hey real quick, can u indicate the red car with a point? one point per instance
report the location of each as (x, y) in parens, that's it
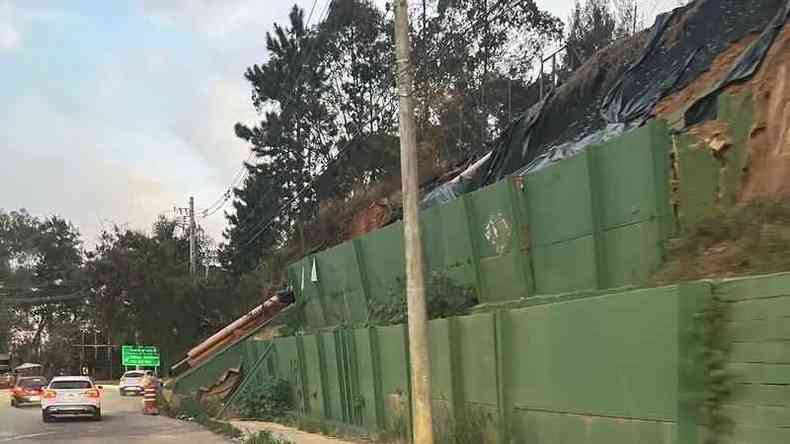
(28, 390)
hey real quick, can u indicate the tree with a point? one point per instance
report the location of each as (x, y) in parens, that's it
(142, 291)
(324, 92)
(470, 53)
(255, 225)
(41, 260)
(356, 53)
(290, 142)
(326, 99)
(628, 17)
(591, 27)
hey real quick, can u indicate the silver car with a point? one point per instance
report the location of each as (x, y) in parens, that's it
(71, 396)
(132, 382)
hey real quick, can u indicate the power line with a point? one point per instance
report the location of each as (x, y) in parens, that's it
(238, 178)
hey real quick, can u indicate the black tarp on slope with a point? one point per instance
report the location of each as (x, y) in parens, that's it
(680, 46)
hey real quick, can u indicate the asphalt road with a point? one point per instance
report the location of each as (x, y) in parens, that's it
(121, 423)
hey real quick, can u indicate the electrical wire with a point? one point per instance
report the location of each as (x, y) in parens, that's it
(238, 178)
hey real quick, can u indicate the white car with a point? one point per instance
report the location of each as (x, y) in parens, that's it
(132, 382)
(71, 396)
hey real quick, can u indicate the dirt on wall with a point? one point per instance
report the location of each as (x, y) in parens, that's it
(767, 174)
(672, 106)
(752, 236)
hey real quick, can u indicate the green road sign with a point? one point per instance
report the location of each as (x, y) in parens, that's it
(142, 355)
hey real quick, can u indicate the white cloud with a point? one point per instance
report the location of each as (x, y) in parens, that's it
(10, 37)
(68, 170)
(219, 19)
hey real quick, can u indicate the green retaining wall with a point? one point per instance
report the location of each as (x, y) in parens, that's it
(593, 369)
(705, 181)
(620, 366)
(759, 328)
(209, 371)
(593, 221)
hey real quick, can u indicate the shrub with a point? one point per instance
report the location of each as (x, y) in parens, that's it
(267, 401)
(265, 437)
(443, 297)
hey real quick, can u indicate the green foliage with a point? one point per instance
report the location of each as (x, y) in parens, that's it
(268, 401)
(328, 127)
(719, 381)
(142, 291)
(471, 426)
(293, 320)
(592, 27)
(444, 298)
(40, 258)
(265, 437)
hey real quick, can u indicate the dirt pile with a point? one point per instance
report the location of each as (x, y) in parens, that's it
(769, 143)
(768, 147)
(672, 106)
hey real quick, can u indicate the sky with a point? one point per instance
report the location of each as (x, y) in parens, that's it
(114, 112)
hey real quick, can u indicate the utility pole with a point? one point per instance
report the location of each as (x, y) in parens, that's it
(192, 263)
(415, 289)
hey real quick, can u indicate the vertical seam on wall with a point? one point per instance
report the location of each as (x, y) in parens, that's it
(503, 436)
(378, 391)
(319, 340)
(452, 357)
(659, 155)
(341, 378)
(358, 410)
(405, 333)
(522, 247)
(303, 375)
(361, 271)
(595, 215)
(475, 253)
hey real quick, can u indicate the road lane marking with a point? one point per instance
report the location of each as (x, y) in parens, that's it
(32, 435)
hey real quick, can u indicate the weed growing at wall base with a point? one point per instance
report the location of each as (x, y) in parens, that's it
(444, 297)
(265, 437)
(267, 401)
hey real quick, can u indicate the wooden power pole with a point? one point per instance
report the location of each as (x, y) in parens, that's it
(415, 288)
